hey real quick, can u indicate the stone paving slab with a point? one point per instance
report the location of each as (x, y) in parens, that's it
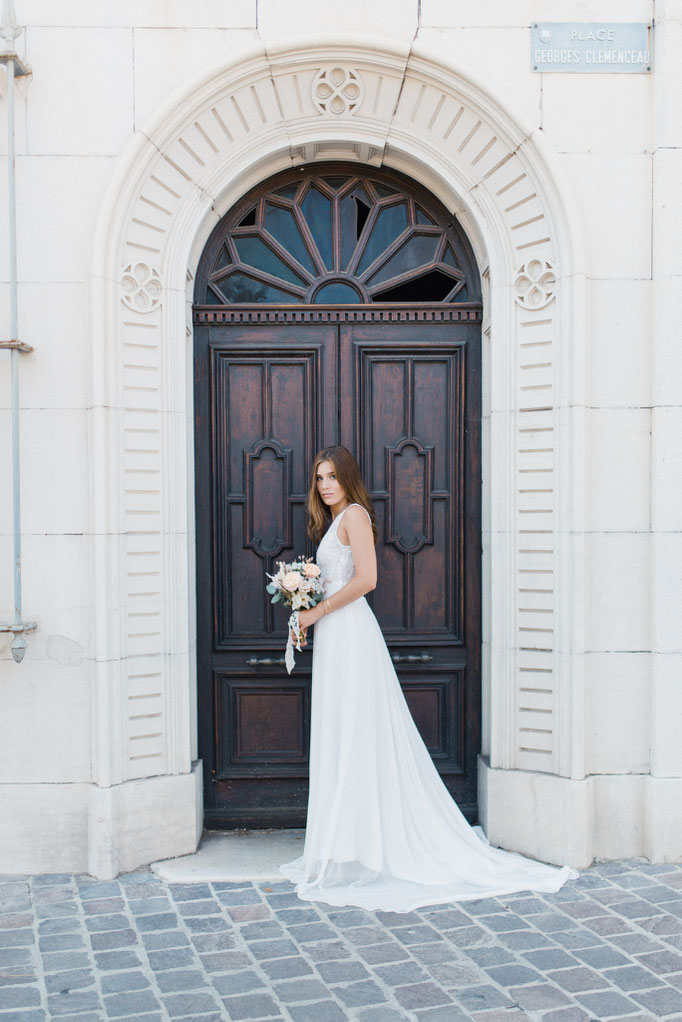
(606, 948)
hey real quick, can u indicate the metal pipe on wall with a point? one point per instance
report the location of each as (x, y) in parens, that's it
(10, 31)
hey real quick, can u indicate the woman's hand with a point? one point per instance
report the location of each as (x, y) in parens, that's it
(303, 641)
(305, 619)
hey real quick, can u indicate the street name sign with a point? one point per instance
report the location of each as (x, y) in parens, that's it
(592, 47)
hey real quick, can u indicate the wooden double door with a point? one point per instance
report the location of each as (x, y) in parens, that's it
(405, 398)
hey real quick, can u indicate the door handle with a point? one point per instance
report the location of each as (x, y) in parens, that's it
(266, 661)
(411, 658)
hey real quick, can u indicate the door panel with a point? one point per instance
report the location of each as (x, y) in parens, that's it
(404, 398)
(264, 405)
(263, 724)
(404, 413)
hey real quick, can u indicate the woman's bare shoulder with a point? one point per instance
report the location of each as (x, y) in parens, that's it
(355, 523)
(356, 513)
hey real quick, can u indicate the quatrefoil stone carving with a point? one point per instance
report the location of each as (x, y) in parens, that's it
(535, 284)
(337, 90)
(141, 287)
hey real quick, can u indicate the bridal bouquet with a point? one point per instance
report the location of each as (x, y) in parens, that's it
(297, 585)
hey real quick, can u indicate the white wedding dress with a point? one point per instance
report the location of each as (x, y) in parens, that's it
(383, 832)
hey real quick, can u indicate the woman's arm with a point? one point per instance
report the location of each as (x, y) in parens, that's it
(357, 531)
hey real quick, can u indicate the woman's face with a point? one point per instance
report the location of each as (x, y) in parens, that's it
(328, 485)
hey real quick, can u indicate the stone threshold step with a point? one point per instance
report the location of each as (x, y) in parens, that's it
(231, 855)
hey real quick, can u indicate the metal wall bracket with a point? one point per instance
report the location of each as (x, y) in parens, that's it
(16, 346)
(21, 70)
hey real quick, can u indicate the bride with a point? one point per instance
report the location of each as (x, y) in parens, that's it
(383, 831)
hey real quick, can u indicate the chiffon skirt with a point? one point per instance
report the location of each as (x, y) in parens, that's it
(383, 832)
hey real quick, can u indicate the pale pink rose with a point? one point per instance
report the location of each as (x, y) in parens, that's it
(305, 586)
(311, 570)
(290, 581)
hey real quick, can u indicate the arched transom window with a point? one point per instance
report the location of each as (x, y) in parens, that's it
(319, 237)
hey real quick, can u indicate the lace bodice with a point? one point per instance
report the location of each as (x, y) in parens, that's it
(334, 558)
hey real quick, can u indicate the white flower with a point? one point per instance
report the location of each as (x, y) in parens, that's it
(291, 581)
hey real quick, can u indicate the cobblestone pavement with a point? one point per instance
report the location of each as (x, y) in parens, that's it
(607, 947)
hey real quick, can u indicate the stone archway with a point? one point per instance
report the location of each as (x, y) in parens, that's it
(238, 125)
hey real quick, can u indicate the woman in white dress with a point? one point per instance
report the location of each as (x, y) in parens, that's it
(383, 832)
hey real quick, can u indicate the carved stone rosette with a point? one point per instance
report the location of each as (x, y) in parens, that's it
(535, 284)
(337, 90)
(141, 287)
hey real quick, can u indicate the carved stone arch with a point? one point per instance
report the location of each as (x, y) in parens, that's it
(244, 121)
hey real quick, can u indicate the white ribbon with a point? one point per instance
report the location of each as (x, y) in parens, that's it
(295, 628)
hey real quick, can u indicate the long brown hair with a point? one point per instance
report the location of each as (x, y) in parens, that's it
(348, 474)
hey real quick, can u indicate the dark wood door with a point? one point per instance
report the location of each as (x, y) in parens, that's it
(405, 397)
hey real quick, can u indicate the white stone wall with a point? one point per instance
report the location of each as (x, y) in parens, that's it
(666, 442)
(101, 71)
